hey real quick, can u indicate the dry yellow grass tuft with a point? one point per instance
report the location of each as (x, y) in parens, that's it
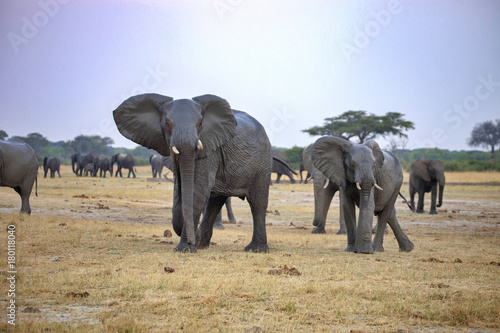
(92, 258)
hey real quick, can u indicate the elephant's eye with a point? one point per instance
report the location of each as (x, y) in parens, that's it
(169, 123)
(199, 125)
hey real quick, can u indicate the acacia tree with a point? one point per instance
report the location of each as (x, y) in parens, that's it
(487, 135)
(352, 124)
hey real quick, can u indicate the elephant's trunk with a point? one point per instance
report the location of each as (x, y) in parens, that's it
(440, 200)
(364, 228)
(186, 168)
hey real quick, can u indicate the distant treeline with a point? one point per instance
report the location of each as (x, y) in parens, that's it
(463, 160)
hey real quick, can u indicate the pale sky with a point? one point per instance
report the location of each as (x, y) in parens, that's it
(66, 65)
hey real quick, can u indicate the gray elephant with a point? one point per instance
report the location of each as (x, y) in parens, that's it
(89, 168)
(216, 152)
(103, 165)
(53, 164)
(280, 168)
(425, 176)
(125, 161)
(370, 179)
(322, 195)
(157, 164)
(18, 169)
(301, 170)
(79, 161)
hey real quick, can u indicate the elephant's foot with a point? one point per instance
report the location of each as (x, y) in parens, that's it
(350, 248)
(254, 247)
(319, 230)
(420, 211)
(218, 225)
(378, 248)
(185, 248)
(364, 247)
(406, 247)
(342, 231)
(433, 211)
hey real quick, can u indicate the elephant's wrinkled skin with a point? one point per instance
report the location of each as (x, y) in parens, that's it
(53, 164)
(125, 161)
(216, 152)
(370, 179)
(18, 169)
(322, 195)
(425, 176)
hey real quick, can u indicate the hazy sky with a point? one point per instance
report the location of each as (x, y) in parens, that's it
(66, 65)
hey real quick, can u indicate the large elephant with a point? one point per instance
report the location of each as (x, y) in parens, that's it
(18, 169)
(280, 168)
(103, 165)
(370, 179)
(425, 175)
(79, 161)
(125, 161)
(217, 152)
(53, 164)
(157, 164)
(322, 195)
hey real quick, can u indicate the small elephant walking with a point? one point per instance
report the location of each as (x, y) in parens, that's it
(425, 175)
(216, 152)
(18, 169)
(53, 164)
(103, 165)
(370, 178)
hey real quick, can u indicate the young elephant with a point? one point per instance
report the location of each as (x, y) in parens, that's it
(370, 179)
(18, 169)
(425, 175)
(53, 164)
(216, 152)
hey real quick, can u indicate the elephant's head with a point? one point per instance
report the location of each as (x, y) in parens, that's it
(344, 162)
(186, 129)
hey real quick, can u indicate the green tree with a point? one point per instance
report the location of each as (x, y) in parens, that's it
(35, 140)
(3, 135)
(487, 135)
(364, 126)
(89, 144)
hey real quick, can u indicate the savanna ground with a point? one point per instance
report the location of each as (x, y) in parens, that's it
(92, 257)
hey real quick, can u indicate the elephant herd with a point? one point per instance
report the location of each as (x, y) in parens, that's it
(216, 153)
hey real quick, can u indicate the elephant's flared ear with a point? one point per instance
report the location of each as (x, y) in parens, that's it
(218, 124)
(139, 119)
(421, 168)
(327, 155)
(306, 159)
(377, 153)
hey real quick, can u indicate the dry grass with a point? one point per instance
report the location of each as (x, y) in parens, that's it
(105, 237)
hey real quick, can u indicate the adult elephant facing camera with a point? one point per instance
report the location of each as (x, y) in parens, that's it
(370, 179)
(217, 152)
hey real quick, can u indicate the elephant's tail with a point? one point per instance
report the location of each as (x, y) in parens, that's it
(277, 159)
(36, 185)
(405, 200)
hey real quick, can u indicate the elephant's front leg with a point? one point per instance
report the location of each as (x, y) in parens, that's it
(212, 209)
(420, 204)
(322, 200)
(433, 198)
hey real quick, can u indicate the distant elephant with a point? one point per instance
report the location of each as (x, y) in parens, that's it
(425, 175)
(322, 195)
(125, 161)
(53, 164)
(157, 165)
(216, 152)
(89, 168)
(79, 161)
(18, 169)
(280, 168)
(102, 164)
(370, 178)
(302, 169)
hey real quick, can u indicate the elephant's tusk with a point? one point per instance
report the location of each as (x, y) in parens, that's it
(326, 183)
(358, 186)
(200, 145)
(175, 150)
(378, 187)
(310, 177)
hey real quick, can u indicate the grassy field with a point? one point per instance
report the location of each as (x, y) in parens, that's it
(92, 257)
